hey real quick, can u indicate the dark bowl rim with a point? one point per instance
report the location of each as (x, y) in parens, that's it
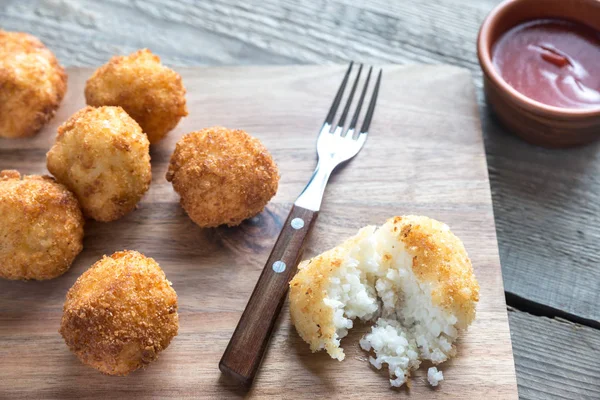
(485, 62)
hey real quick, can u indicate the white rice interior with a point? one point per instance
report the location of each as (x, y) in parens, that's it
(393, 347)
(434, 377)
(376, 283)
(350, 298)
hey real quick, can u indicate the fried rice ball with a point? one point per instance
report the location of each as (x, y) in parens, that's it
(223, 176)
(151, 93)
(120, 314)
(32, 84)
(102, 155)
(411, 277)
(41, 227)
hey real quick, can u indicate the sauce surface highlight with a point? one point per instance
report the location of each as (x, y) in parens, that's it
(553, 61)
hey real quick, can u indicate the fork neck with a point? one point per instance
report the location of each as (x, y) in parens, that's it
(312, 195)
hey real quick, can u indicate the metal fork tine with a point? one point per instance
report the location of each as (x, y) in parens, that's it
(349, 101)
(360, 103)
(332, 150)
(338, 97)
(371, 109)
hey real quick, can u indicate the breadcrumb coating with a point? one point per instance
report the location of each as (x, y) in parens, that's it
(102, 155)
(120, 314)
(149, 92)
(440, 259)
(312, 318)
(223, 176)
(32, 84)
(41, 227)
(436, 256)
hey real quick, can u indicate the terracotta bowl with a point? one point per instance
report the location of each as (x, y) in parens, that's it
(536, 122)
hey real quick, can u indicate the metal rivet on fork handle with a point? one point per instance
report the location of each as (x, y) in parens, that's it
(297, 223)
(279, 266)
(247, 346)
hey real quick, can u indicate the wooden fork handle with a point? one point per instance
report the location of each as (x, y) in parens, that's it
(246, 348)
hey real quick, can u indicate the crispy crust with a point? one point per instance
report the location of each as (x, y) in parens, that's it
(102, 155)
(41, 227)
(223, 176)
(149, 92)
(32, 84)
(314, 320)
(120, 314)
(439, 258)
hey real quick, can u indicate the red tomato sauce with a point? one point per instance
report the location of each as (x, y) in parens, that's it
(553, 61)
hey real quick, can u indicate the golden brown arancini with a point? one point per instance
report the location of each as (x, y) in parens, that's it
(120, 313)
(102, 155)
(41, 227)
(223, 176)
(151, 93)
(32, 84)
(411, 276)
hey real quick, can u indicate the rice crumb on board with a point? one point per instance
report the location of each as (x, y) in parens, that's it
(434, 377)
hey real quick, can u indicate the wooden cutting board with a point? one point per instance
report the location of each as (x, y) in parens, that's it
(424, 156)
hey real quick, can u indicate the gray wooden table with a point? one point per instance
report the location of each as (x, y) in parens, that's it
(546, 202)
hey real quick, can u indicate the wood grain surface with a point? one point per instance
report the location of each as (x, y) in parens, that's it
(563, 365)
(246, 348)
(545, 201)
(434, 165)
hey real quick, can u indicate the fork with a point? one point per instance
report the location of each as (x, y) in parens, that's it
(246, 348)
